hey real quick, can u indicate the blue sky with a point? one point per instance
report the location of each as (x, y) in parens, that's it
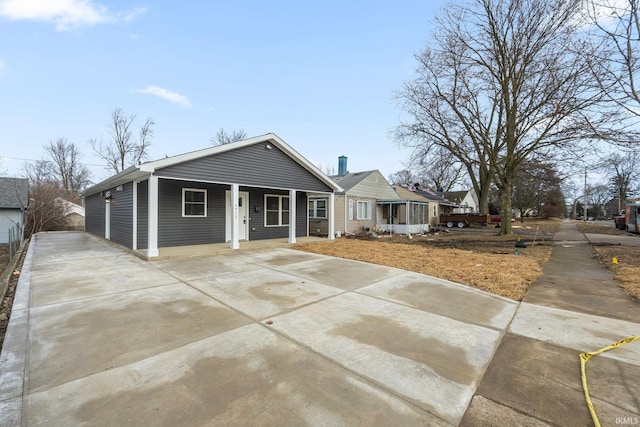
(321, 75)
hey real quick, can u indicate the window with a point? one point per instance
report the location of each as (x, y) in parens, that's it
(435, 211)
(364, 210)
(276, 210)
(194, 202)
(317, 208)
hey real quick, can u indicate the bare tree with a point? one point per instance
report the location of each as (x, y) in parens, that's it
(222, 137)
(438, 169)
(618, 65)
(124, 150)
(45, 211)
(403, 177)
(535, 183)
(65, 167)
(623, 169)
(503, 83)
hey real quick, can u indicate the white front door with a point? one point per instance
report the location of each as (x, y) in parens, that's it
(243, 216)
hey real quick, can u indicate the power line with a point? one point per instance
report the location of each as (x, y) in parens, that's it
(37, 160)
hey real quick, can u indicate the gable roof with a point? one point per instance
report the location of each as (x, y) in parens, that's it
(455, 196)
(421, 196)
(14, 193)
(146, 169)
(351, 179)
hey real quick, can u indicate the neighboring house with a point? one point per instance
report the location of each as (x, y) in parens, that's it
(73, 215)
(467, 200)
(252, 189)
(14, 198)
(356, 210)
(413, 211)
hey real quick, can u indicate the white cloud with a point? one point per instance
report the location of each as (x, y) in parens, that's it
(66, 14)
(174, 97)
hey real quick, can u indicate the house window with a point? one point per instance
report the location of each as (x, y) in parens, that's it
(317, 208)
(364, 210)
(194, 202)
(435, 211)
(276, 212)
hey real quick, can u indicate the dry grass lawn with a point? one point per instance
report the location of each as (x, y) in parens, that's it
(627, 270)
(479, 259)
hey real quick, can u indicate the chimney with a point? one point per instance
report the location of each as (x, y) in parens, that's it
(342, 166)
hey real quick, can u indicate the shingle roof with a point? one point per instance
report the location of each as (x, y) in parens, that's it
(14, 192)
(350, 180)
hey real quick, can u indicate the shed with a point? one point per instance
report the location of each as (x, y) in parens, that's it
(254, 189)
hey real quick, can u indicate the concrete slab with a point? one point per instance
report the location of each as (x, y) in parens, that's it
(542, 380)
(247, 376)
(445, 298)
(578, 331)
(278, 257)
(70, 245)
(338, 272)
(198, 267)
(71, 340)
(115, 275)
(487, 413)
(433, 361)
(264, 293)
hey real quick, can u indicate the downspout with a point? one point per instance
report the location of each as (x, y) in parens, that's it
(345, 201)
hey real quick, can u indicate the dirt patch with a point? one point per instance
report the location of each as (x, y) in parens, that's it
(627, 268)
(7, 302)
(479, 259)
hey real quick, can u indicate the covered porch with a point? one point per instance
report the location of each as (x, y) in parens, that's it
(403, 216)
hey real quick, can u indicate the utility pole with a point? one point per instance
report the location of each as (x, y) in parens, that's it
(585, 195)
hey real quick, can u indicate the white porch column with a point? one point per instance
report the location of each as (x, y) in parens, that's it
(134, 230)
(152, 233)
(330, 211)
(235, 223)
(292, 216)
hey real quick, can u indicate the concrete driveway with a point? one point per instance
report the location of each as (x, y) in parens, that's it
(278, 337)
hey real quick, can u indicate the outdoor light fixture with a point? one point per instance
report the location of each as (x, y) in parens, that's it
(267, 146)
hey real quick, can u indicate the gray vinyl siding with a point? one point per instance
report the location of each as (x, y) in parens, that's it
(257, 229)
(10, 219)
(176, 230)
(94, 214)
(252, 166)
(122, 215)
(143, 214)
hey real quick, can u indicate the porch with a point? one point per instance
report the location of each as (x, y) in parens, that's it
(173, 252)
(403, 217)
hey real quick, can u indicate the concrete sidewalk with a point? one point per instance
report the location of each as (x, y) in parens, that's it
(534, 378)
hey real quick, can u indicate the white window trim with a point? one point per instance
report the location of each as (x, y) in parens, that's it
(195, 190)
(280, 197)
(368, 203)
(315, 209)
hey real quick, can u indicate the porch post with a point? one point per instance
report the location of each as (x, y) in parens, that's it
(292, 216)
(331, 229)
(235, 223)
(152, 240)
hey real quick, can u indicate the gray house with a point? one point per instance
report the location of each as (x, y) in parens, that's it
(14, 198)
(252, 189)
